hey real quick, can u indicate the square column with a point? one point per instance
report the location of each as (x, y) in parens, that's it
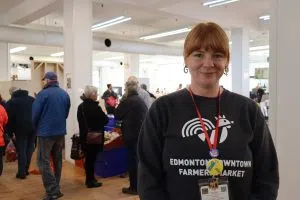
(284, 93)
(77, 57)
(131, 65)
(240, 61)
(4, 62)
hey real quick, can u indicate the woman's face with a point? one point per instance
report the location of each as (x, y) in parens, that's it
(206, 67)
(94, 97)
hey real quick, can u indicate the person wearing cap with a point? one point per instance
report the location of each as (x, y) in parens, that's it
(20, 128)
(49, 113)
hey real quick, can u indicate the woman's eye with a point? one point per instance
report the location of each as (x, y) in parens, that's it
(198, 55)
(218, 56)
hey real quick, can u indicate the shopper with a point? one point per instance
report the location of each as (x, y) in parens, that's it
(19, 109)
(49, 113)
(179, 86)
(204, 138)
(144, 87)
(91, 118)
(131, 111)
(110, 99)
(6, 137)
(142, 93)
(3, 122)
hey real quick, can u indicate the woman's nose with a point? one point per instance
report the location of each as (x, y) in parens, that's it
(208, 61)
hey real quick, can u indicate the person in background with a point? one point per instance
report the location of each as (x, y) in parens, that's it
(179, 87)
(131, 111)
(3, 122)
(91, 118)
(144, 87)
(19, 127)
(110, 99)
(12, 137)
(50, 111)
(12, 90)
(260, 92)
(192, 139)
(142, 93)
(6, 137)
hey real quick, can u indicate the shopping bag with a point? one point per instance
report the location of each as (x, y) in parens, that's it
(76, 149)
(111, 101)
(10, 152)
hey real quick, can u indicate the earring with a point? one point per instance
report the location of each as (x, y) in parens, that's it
(226, 71)
(185, 69)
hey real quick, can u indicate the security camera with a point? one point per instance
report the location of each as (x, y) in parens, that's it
(31, 58)
(107, 42)
(121, 63)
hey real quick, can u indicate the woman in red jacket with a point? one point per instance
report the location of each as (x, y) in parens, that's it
(3, 122)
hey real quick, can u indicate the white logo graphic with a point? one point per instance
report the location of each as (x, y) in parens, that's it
(193, 127)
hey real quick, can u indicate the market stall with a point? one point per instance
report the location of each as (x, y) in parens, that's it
(113, 160)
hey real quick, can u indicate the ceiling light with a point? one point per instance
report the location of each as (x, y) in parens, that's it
(265, 17)
(215, 3)
(17, 49)
(111, 22)
(57, 54)
(266, 47)
(251, 40)
(164, 34)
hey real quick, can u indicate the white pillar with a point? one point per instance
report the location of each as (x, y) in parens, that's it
(240, 61)
(284, 93)
(131, 65)
(78, 57)
(4, 62)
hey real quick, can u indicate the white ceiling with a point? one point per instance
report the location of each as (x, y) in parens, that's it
(150, 17)
(6, 5)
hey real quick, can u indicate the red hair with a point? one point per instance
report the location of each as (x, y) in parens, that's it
(209, 36)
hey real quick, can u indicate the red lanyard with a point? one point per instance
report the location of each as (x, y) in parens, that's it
(214, 145)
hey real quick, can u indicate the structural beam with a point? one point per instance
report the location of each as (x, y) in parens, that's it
(30, 10)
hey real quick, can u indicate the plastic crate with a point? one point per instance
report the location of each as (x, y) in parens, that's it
(111, 163)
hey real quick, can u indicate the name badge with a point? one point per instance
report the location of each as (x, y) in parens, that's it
(214, 189)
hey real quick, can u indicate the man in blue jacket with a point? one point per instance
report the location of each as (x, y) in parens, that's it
(49, 113)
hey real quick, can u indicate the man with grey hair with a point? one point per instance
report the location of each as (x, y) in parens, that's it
(142, 93)
(131, 111)
(49, 113)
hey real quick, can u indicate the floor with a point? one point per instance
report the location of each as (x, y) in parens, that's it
(72, 185)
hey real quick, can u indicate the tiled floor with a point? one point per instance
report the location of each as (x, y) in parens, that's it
(72, 184)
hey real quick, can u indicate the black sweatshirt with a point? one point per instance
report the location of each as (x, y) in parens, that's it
(173, 151)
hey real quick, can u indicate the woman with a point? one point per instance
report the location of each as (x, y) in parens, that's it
(131, 111)
(205, 141)
(91, 118)
(3, 122)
